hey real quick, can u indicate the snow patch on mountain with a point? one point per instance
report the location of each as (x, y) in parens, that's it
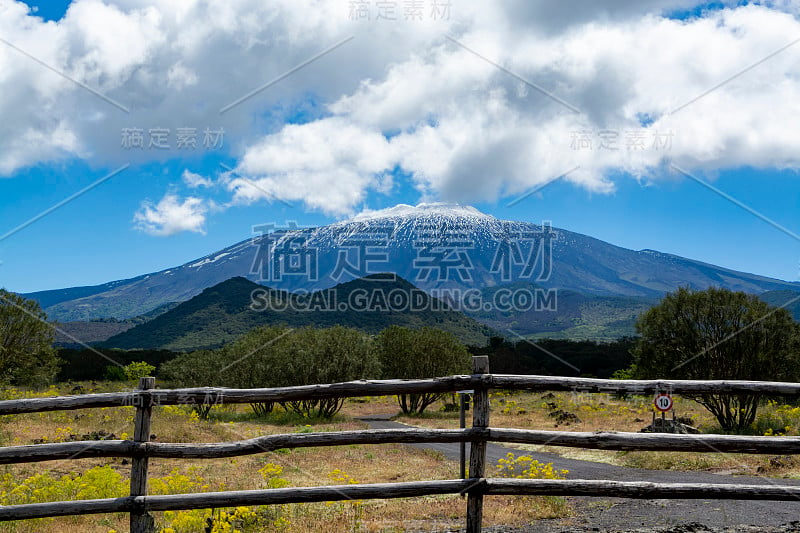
(435, 246)
(208, 260)
(404, 224)
(423, 209)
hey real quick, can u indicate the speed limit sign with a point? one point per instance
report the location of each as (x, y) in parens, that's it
(663, 402)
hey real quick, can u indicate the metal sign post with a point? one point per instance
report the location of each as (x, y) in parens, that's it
(663, 403)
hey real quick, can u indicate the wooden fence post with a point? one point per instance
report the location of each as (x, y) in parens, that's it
(462, 423)
(141, 521)
(477, 450)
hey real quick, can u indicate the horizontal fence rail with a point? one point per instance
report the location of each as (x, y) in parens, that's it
(640, 489)
(350, 389)
(599, 440)
(139, 504)
(642, 386)
(267, 443)
(174, 502)
(489, 486)
(220, 395)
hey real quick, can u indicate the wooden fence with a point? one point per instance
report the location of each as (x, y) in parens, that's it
(140, 450)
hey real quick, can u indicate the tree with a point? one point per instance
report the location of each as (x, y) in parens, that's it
(247, 363)
(26, 352)
(195, 369)
(308, 356)
(718, 334)
(250, 362)
(414, 354)
(279, 357)
(192, 369)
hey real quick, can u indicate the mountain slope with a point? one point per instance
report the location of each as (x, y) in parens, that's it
(221, 313)
(436, 247)
(76, 334)
(576, 316)
(788, 299)
(79, 333)
(54, 297)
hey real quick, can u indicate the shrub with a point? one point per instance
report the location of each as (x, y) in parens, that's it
(331, 355)
(719, 334)
(526, 467)
(26, 338)
(135, 371)
(414, 354)
(280, 357)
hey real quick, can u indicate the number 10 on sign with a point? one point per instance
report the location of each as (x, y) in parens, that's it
(663, 402)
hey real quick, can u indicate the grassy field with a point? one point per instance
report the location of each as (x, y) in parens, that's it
(99, 478)
(594, 412)
(102, 478)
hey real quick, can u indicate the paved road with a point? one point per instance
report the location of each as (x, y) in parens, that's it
(618, 514)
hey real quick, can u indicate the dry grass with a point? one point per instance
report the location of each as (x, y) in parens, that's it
(606, 412)
(595, 411)
(374, 464)
(301, 467)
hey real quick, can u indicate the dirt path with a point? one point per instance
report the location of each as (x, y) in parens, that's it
(618, 514)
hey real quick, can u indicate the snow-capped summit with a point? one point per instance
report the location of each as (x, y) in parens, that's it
(403, 224)
(432, 245)
(421, 210)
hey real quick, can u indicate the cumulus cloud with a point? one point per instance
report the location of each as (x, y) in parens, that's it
(423, 97)
(171, 216)
(69, 88)
(329, 164)
(466, 130)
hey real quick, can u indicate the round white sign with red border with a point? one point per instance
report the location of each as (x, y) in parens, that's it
(663, 402)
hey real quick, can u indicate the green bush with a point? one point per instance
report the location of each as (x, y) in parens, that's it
(308, 356)
(279, 357)
(719, 334)
(414, 354)
(26, 338)
(134, 371)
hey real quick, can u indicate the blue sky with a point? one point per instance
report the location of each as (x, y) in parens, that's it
(49, 10)
(328, 143)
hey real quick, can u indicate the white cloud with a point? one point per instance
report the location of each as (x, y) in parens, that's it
(171, 216)
(400, 94)
(329, 164)
(195, 180)
(469, 131)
